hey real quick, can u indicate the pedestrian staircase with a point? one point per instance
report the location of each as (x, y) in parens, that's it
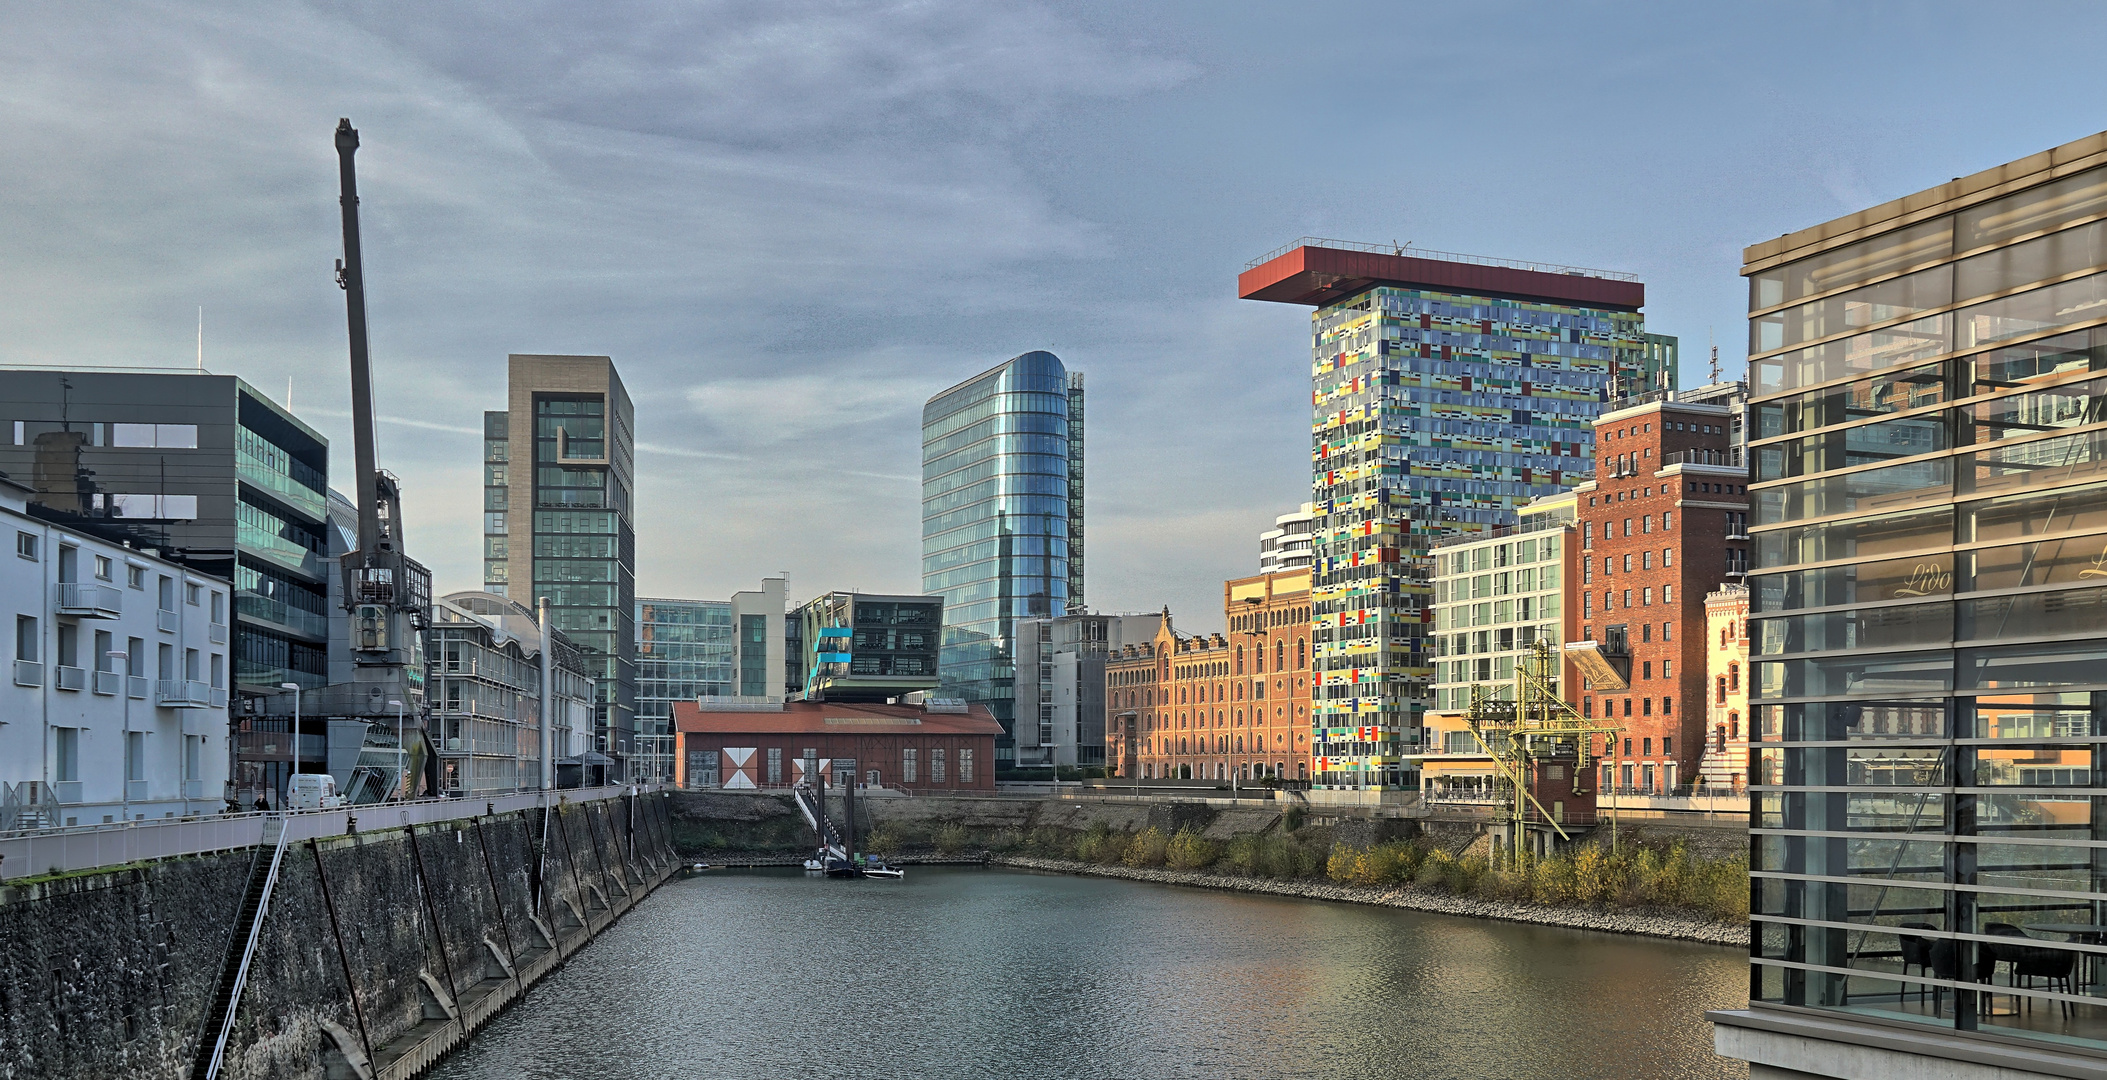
(31, 804)
(241, 952)
(807, 804)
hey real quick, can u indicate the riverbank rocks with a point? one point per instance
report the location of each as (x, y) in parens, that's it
(1642, 923)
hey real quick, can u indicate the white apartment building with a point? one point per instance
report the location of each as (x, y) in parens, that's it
(117, 705)
(1496, 594)
(1286, 546)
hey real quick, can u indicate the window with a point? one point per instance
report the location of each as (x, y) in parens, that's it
(166, 668)
(190, 593)
(168, 593)
(1667, 631)
(1667, 521)
(135, 755)
(135, 656)
(908, 766)
(26, 545)
(219, 672)
(965, 765)
(135, 576)
(67, 747)
(936, 765)
(1648, 744)
(1667, 556)
(775, 764)
(1720, 694)
(102, 568)
(1667, 741)
(1667, 706)
(1668, 669)
(1734, 678)
(1646, 669)
(104, 646)
(26, 638)
(163, 436)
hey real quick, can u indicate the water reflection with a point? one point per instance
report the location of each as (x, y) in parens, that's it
(987, 973)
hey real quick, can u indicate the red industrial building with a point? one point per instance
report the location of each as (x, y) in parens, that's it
(1664, 523)
(912, 747)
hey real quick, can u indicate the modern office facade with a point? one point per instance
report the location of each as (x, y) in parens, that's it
(868, 646)
(1286, 546)
(1496, 595)
(1448, 391)
(683, 652)
(559, 483)
(1002, 520)
(206, 471)
(486, 697)
(1926, 624)
(117, 705)
(1060, 689)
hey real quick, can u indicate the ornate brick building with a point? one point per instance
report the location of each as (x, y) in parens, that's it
(1664, 522)
(1216, 706)
(1726, 761)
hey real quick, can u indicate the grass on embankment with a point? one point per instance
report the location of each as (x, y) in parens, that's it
(1635, 876)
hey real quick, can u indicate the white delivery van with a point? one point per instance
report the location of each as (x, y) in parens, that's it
(312, 791)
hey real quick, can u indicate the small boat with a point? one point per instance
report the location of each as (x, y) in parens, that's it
(876, 869)
(814, 864)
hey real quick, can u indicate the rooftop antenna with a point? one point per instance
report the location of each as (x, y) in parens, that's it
(1715, 354)
(201, 339)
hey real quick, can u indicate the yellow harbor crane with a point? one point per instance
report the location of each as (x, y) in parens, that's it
(1537, 728)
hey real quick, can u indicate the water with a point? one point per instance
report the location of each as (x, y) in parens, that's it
(1012, 975)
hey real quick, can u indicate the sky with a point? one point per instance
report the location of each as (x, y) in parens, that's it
(791, 223)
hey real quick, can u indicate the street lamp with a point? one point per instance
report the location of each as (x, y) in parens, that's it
(295, 688)
(402, 757)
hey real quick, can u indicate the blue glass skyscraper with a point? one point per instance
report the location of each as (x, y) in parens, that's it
(1002, 520)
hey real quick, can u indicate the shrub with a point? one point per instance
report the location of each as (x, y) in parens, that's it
(1293, 819)
(1434, 870)
(1340, 867)
(1006, 840)
(883, 842)
(1049, 843)
(1188, 850)
(1277, 857)
(1147, 848)
(952, 839)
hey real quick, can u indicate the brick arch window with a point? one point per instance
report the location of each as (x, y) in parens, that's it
(1301, 649)
(1280, 655)
(1722, 690)
(1240, 659)
(1734, 677)
(1733, 725)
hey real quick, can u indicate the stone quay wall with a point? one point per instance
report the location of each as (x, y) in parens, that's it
(383, 947)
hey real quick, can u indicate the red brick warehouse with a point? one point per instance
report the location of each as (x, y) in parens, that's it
(1664, 522)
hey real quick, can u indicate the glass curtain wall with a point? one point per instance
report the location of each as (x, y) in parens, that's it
(1929, 621)
(999, 457)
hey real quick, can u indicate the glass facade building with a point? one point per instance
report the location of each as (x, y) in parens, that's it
(1447, 392)
(559, 475)
(1002, 520)
(1495, 597)
(1928, 608)
(684, 651)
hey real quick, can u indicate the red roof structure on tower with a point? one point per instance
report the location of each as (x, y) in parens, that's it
(1318, 272)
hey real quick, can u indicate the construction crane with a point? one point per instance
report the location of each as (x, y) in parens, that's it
(387, 594)
(1529, 735)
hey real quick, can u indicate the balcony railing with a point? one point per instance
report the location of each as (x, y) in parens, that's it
(218, 633)
(71, 678)
(136, 687)
(294, 494)
(168, 621)
(135, 791)
(29, 673)
(109, 683)
(87, 599)
(182, 694)
(1729, 458)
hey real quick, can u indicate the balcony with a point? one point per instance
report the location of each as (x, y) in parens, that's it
(182, 694)
(1729, 458)
(293, 494)
(136, 687)
(70, 678)
(87, 600)
(109, 683)
(29, 673)
(168, 621)
(218, 633)
(135, 791)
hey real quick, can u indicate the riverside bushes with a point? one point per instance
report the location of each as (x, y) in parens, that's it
(1149, 847)
(1590, 875)
(1188, 850)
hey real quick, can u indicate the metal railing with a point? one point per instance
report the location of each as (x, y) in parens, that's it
(1408, 251)
(70, 848)
(182, 693)
(29, 673)
(87, 598)
(109, 683)
(248, 952)
(1729, 458)
(1537, 524)
(70, 678)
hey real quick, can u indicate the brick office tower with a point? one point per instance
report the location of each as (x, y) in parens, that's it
(1663, 523)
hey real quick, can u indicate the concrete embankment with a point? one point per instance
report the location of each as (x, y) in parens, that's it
(386, 941)
(1614, 921)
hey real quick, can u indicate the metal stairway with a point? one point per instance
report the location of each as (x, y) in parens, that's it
(241, 951)
(805, 798)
